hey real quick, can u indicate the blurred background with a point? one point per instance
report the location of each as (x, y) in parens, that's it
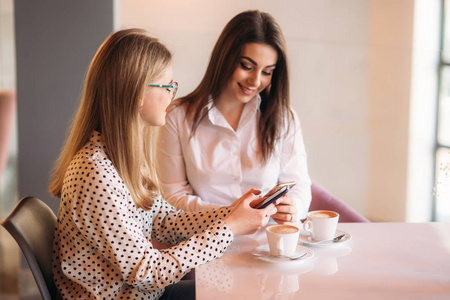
(369, 82)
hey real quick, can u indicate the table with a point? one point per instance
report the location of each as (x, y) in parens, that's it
(381, 261)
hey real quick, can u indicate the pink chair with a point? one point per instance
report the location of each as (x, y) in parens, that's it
(7, 111)
(323, 200)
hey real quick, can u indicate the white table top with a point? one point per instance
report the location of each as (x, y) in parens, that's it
(381, 261)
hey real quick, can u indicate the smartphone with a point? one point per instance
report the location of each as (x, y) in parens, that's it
(289, 184)
(275, 193)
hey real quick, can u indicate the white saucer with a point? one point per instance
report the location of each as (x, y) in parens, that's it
(264, 251)
(305, 238)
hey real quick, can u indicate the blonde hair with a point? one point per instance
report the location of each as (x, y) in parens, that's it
(110, 104)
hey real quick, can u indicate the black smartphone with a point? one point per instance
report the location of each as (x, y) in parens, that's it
(289, 184)
(273, 197)
(275, 193)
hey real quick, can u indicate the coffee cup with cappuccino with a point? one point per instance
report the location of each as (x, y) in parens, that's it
(322, 224)
(282, 239)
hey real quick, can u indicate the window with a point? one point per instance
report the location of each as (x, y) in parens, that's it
(441, 205)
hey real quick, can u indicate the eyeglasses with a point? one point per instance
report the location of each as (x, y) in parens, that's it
(171, 89)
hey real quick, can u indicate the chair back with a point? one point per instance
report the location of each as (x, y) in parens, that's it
(32, 224)
(324, 200)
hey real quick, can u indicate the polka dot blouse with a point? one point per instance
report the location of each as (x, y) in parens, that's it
(102, 247)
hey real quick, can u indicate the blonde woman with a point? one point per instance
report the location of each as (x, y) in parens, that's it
(237, 130)
(111, 206)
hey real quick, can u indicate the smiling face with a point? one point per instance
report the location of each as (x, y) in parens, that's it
(253, 74)
(156, 100)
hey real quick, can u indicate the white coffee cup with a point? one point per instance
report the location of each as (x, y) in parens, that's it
(321, 224)
(282, 239)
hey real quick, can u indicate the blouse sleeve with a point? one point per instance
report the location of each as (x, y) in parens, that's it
(110, 222)
(294, 167)
(174, 226)
(171, 166)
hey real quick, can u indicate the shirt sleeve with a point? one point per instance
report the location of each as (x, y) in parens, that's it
(174, 226)
(109, 221)
(171, 167)
(294, 167)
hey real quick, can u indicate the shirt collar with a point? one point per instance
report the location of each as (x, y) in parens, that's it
(216, 118)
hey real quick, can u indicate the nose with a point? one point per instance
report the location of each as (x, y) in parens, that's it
(254, 79)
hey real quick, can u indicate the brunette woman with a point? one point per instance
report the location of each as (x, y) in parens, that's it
(237, 130)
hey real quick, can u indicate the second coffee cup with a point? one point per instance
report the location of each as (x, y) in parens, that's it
(322, 224)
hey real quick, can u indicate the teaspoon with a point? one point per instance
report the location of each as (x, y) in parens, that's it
(290, 257)
(336, 239)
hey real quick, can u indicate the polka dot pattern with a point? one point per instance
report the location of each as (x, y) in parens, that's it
(102, 247)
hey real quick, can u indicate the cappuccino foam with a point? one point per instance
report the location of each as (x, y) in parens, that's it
(323, 215)
(283, 229)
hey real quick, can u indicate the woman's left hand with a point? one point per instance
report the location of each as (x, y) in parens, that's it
(286, 211)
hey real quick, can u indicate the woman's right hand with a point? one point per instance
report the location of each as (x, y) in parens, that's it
(244, 219)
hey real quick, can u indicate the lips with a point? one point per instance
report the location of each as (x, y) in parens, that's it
(246, 91)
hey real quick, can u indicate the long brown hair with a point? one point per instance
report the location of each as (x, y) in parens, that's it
(247, 27)
(114, 87)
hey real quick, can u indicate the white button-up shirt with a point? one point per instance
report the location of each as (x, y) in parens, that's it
(218, 164)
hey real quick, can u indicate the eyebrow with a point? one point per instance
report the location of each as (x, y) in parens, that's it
(254, 62)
